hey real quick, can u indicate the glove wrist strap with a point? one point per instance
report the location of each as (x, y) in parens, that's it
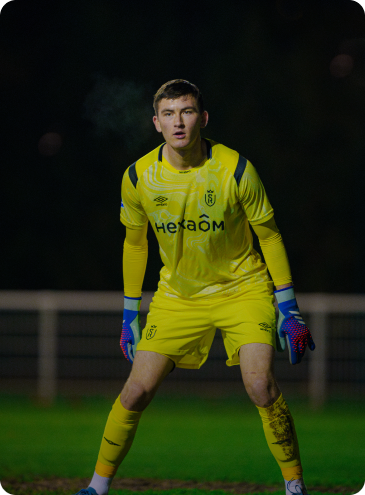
(132, 303)
(284, 295)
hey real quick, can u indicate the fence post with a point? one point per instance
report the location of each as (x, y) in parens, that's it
(318, 366)
(47, 349)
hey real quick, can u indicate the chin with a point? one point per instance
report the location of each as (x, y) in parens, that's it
(179, 144)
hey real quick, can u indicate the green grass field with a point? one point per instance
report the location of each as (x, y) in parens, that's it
(187, 439)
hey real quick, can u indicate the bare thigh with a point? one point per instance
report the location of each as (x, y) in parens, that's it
(148, 371)
(257, 368)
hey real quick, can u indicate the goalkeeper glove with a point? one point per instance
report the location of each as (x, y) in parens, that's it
(291, 326)
(131, 332)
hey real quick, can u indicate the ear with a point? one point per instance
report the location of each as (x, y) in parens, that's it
(157, 123)
(204, 119)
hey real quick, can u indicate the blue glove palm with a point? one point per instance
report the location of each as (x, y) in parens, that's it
(131, 332)
(291, 326)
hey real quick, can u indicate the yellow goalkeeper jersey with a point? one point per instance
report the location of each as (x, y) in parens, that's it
(201, 219)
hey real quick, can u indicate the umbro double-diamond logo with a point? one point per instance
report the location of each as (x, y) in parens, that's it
(265, 327)
(160, 201)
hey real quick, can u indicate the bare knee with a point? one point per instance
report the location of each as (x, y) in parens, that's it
(257, 368)
(148, 371)
(262, 389)
(135, 396)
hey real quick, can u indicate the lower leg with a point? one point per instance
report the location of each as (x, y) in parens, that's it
(148, 371)
(117, 439)
(281, 438)
(258, 376)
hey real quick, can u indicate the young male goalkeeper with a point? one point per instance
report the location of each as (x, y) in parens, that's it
(201, 199)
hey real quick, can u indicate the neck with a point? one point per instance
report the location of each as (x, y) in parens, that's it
(184, 159)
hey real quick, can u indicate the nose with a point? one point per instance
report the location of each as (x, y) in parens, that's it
(179, 122)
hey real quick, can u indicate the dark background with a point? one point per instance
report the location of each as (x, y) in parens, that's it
(283, 81)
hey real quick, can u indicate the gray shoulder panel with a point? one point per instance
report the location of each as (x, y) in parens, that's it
(133, 174)
(241, 166)
(160, 152)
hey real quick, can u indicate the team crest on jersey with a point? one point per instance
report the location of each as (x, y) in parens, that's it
(151, 332)
(210, 198)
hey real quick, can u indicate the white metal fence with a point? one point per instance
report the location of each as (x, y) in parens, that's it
(49, 335)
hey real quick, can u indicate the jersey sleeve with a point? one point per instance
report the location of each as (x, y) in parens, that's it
(132, 214)
(253, 197)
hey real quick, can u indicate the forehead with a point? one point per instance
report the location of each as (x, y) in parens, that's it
(175, 103)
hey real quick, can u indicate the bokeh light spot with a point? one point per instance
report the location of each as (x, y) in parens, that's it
(50, 144)
(341, 65)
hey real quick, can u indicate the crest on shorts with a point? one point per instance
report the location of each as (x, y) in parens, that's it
(210, 198)
(151, 332)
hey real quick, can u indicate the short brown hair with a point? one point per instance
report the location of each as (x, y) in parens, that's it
(175, 89)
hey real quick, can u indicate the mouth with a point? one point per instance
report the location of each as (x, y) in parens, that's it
(180, 134)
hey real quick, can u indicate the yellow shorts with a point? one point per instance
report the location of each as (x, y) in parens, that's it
(183, 329)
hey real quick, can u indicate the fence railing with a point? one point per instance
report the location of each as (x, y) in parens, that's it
(337, 322)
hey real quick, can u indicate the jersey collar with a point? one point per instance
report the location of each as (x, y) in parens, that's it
(207, 142)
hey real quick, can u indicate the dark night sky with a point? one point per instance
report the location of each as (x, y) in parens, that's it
(283, 81)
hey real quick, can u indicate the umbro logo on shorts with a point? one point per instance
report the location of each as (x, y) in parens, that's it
(151, 332)
(265, 327)
(160, 200)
